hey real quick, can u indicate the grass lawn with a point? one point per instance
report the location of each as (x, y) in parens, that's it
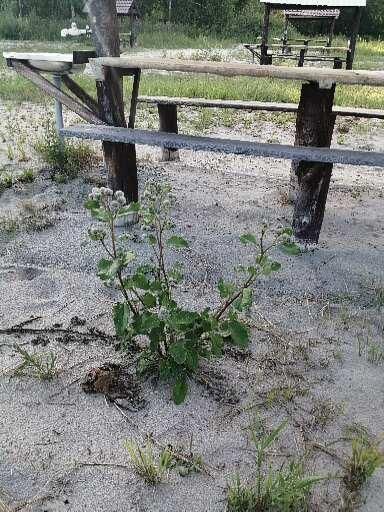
(370, 55)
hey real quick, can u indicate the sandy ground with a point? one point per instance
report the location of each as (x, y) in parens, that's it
(308, 321)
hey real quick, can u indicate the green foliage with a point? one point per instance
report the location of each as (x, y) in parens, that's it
(365, 459)
(284, 490)
(177, 338)
(150, 466)
(65, 159)
(7, 179)
(39, 366)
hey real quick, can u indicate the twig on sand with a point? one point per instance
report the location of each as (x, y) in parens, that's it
(26, 322)
(25, 331)
(101, 464)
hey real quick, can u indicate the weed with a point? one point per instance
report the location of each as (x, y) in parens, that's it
(204, 120)
(8, 179)
(375, 353)
(39, 366)
(150, 466)
(30, 216)
(65, 159)
(284, 490)
(176, 338)
(324, 412)
(365, 459)
(283, 394)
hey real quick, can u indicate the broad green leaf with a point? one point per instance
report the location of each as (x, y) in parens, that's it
(217, 344)
(275, 266)
(286, 231)
(180, 390)
(140, 281)
(180, 318)
(127, 257)
(149, 300)
(107, 269)
(248, 238)
(178, 351)
(239, 333)
(146, 322)
(192, 360)
(290, 248)
(177, 242)
(121, 318)
(91, 204)
(246, 299)
(225, 289)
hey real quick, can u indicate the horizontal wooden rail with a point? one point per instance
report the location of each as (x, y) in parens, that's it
(326, 77)
(301, 47)
(238, 147)
(255, 106)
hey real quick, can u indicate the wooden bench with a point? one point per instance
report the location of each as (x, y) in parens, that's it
(265, 106)
(217, 145)
(168, 118)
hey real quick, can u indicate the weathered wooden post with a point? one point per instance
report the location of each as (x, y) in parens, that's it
(120, 158)
(168, 123)
(265, 59)
(304, 136)
(355, 32)
(314, 127)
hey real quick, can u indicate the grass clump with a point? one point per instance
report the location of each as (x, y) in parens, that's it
(152, 467)
(366, 458)
(65, 159)
(7, 179)
(284, 490)
(31, 216)
(39, 366)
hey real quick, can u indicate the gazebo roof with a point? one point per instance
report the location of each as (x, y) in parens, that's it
(312, 13)
(317, 3)
(123, 7)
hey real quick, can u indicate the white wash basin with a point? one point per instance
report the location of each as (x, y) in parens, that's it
(59, 63)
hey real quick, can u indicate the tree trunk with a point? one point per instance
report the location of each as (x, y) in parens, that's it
(314, 127)
(120, 159)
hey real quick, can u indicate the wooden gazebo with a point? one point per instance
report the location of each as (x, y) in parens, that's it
(310, 10)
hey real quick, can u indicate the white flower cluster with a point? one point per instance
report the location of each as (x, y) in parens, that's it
(106, 196)
(96, 233)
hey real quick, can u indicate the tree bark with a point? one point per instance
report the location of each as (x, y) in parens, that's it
(314, 127)
(120, 158)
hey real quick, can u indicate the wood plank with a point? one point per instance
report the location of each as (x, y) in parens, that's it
(81, 94)
(50, 89)
(256, 106)
(303, 47)
(324, 76)
(239, 147)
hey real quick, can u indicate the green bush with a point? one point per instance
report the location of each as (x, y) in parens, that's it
(65, 159)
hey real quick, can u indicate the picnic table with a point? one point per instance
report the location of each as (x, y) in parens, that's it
(311, 155)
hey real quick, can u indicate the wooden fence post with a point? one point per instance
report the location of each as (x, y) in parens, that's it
(168, 123)
(314, 127)
(120, 158)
